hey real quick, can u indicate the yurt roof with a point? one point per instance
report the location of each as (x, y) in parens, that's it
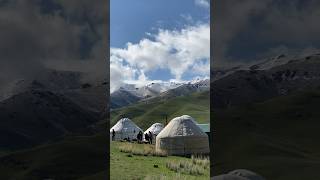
(125, 123)
(155, 127)
(181, 126)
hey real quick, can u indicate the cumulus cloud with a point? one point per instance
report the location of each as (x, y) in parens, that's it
(36, 35)
(203, 3)
(227, 25)
(255, 28)
(176, 50)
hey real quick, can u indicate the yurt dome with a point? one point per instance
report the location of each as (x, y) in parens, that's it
(155, 129)
(182, 137)
(125, 128)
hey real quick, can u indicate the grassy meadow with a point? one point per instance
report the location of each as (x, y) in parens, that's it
(80, 158)
(276, 138)
(140, 162)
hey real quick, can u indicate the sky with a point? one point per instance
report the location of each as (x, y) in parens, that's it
(158, 41)
(251, 30)
(51, 34)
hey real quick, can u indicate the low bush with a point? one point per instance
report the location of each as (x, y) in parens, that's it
(141, 150)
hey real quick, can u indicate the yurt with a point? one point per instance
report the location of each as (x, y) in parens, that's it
(155, 129)
(125, 128)
(182, 137)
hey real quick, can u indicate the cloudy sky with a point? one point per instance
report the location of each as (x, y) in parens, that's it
(248, 30)
(55, 34)
(155, 40)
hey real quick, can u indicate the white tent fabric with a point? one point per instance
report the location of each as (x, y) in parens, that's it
(155, 129)
(182, 137)
(125, 128)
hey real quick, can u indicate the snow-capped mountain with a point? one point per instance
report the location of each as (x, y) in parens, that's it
(150, 89)
(49, 106)
(276, 77)
(129, 93)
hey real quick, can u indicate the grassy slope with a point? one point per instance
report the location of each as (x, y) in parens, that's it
(73, 158)
(83, 157)
(277, 138)
(139, 167)
(196, 105)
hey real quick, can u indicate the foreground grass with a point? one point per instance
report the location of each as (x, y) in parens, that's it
(144, 165)
(142, 150)
(81, 157)
(198, 166)
(277, 138)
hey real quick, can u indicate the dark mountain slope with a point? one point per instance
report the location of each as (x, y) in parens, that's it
(246, 86)
(121, 98)
(38, 116)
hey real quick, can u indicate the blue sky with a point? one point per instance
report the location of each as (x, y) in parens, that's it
(130, 20)
(159, 27)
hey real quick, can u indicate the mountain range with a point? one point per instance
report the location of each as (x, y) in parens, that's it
(257, 83)
(55, 104)
(261, 113)
(265, 118)
(129, 94)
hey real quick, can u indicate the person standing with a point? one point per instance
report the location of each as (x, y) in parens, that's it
(113, 134)
(150, 137)
(146, 136)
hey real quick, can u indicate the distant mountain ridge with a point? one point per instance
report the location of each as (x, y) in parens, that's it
(53, 105)
(260, 82)
(129, 94)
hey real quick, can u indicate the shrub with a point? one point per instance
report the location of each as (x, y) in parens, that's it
(141, 150)
(185, 167)
(203, 161)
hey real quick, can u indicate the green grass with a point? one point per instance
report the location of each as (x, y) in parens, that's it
(198, 166)
(277, 138)
(129, 166)
(73, 158)
(145, 114)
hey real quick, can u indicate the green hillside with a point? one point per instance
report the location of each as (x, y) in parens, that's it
(73, 158)
(277, 138)
(144, 114)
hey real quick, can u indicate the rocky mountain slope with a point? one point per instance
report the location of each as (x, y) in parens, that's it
(258, 84)
(51, 106)
(129, 94)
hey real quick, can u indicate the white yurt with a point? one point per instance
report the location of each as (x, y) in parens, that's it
(155, 129)
(182, 137)
(125, 128)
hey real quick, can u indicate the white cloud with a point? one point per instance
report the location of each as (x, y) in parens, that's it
(176, 50)
(203, 3)
(119, 72)
(201, 68)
